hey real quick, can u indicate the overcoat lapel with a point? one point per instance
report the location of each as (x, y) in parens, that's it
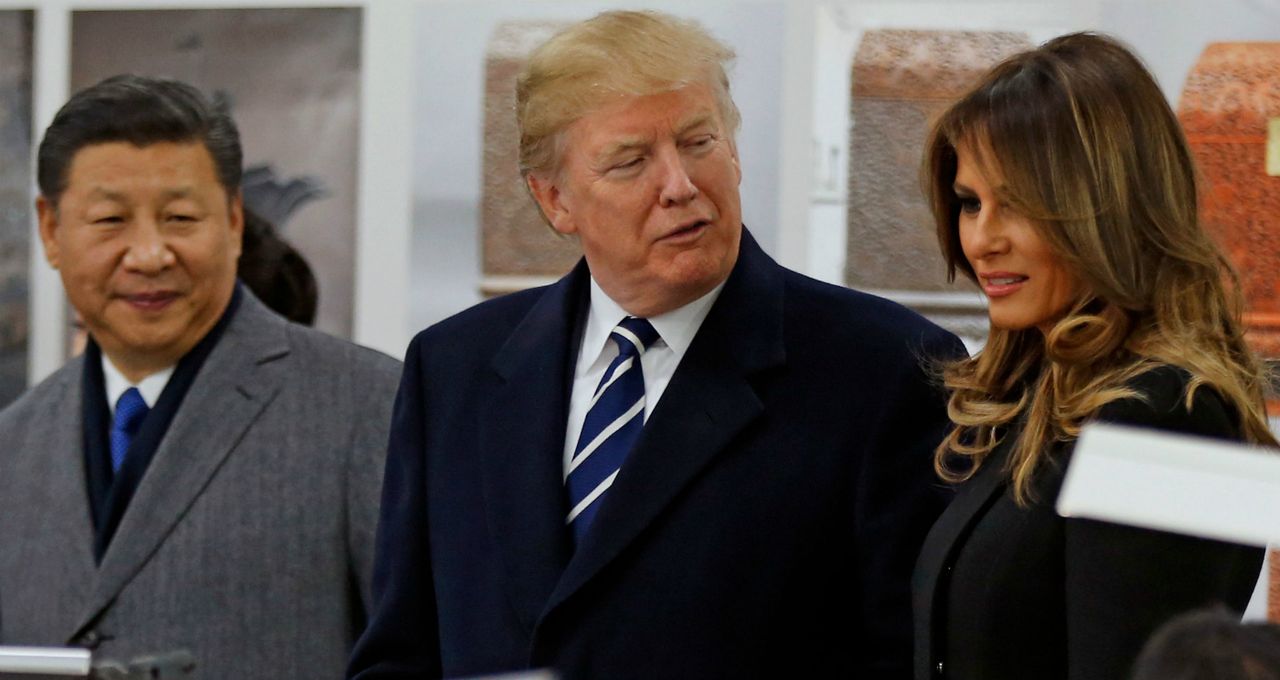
(944, 539)
(709, 400)
(522, 442)
(238, 380)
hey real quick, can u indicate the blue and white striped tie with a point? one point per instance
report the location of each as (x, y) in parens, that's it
(612, 425)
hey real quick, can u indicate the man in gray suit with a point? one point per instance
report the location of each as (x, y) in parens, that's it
(206, 476)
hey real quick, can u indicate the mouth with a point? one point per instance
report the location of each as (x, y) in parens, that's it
(688, 231)
(1000, 284)
(151, 301)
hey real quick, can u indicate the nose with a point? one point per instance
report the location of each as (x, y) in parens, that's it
(677, 186)
(985, 235)
(147, 252)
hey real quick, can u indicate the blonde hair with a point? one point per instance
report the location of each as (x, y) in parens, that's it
(613, 54)
(1089, 151)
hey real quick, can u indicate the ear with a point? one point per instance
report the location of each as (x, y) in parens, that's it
(47, 216)
(236, 219)
(546, 192)
(733, 152)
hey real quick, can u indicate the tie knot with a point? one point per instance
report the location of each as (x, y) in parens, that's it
(130, 410)
(633, 335)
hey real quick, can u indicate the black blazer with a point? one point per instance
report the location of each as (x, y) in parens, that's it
(1007, 592)
(766, 523)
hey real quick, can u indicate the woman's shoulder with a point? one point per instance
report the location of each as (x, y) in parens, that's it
(1160, 402)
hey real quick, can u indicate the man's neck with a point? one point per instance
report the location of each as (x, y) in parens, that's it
(136, 366)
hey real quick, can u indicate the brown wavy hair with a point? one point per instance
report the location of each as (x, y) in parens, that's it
(1090, 152)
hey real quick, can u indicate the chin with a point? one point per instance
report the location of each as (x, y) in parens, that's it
(149, 343)
(700, 267)
(694, 285)
(1011, 325)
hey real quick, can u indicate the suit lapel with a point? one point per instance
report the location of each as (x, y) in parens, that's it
(709, 401)
(237, 380)
(939, 548)
(522, 441)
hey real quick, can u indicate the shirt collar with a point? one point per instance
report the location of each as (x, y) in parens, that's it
(115, 384)
(676, 328)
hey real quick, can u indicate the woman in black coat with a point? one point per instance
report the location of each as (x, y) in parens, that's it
(1063, 186)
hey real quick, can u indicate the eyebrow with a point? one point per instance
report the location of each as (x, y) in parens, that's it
(634, 143)
(616, 148)
(168, 194)
(962, 190)
(695, 122)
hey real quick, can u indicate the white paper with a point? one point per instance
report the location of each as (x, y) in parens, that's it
(70, 662)
(1187, 485)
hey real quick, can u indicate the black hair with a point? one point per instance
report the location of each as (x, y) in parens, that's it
(276, 272)
(1208, 645)
(141, 111)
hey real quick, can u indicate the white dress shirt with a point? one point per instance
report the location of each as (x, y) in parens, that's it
(116, 384)
(676, 329)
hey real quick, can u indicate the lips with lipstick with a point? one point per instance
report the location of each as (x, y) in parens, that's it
(1000, 284)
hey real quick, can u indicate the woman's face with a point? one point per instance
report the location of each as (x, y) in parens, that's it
(1025, 282)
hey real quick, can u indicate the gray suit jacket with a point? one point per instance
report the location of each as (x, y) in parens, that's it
(249, 540)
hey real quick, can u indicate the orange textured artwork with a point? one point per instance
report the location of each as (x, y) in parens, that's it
(1230, 96)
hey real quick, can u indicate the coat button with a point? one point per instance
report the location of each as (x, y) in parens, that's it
(937, 670)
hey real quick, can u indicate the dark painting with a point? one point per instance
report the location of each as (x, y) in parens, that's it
(15, 199)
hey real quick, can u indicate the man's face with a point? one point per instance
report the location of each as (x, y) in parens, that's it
(146, 241)
(650, 186)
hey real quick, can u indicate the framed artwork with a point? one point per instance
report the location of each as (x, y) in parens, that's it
(15, 199)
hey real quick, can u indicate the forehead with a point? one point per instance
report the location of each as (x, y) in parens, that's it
(974, 167)
(640, 117)
(120, 168)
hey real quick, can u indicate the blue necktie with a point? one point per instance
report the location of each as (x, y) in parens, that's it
(612, 425)
(130, 411)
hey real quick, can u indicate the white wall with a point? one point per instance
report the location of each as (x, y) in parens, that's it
(1170, 34)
